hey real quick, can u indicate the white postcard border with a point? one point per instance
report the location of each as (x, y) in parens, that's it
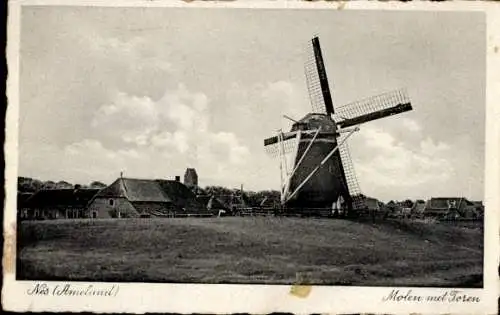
(203, 298)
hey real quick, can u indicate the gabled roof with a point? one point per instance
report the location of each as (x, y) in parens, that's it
(46, 198)
(180, 194)
(144, 190)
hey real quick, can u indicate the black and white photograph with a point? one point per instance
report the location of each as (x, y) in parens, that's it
(211, 145)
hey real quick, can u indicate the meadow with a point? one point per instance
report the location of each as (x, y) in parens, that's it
(271, 250)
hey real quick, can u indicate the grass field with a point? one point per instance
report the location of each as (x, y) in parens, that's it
(252, 250)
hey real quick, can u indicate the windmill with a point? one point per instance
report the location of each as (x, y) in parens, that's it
(321, 172)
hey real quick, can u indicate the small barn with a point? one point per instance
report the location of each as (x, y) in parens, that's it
(57, 204)
(131, 197)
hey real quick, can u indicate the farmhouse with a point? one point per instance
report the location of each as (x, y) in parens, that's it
(130, 197)
(57, 204)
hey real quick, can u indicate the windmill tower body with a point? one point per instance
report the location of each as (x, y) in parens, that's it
(328, 183)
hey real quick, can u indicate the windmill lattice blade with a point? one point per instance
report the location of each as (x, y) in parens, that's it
(313, 81)
(288, 147)
(358, 200)
(275, 139)
(373, 108)
(352, 181)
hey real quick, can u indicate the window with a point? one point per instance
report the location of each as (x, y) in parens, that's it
(111, 202)
(94, 214)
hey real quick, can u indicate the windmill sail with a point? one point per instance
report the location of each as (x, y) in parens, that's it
(316, 79)
(350, 177)
(285, 143)
(289, 139)
(373, 108)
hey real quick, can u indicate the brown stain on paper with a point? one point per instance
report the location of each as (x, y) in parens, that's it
(302, 287)
(9, 249)
(301, 291)
(495, 49)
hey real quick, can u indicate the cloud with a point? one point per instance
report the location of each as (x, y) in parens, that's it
(410, 124)
(390, 167)
(288, 98)
(175, 128)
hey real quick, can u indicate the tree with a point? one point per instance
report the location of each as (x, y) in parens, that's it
(407, 203)
(98, 185)
(63, 185)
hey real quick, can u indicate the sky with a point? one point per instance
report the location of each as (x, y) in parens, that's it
(150, 92)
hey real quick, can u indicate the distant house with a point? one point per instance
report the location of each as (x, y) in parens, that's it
(418, 208)
(270, 202)
(372, 204)
(236, 200)
(450, 207)
(405, 212)
(130, 197)
(212, 204)
(57, 204)
(478, 207)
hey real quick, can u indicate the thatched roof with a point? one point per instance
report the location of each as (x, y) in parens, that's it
(180, 195)
(135, 190)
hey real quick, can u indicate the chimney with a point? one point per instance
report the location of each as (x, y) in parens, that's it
(177, 178)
